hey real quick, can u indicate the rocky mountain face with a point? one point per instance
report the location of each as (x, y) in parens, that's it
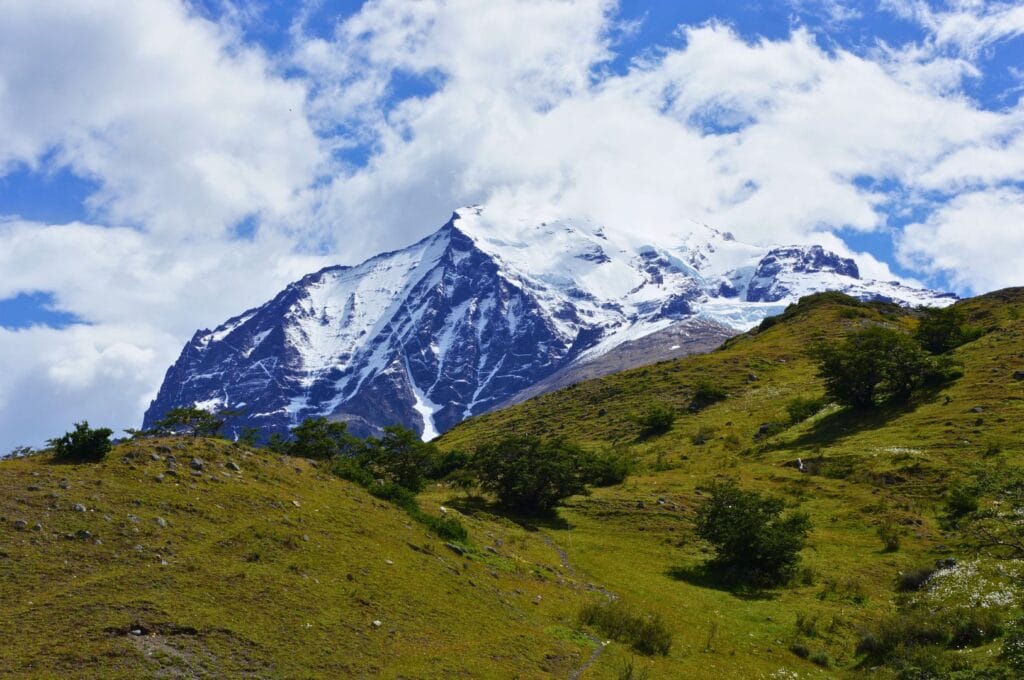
(486, 311)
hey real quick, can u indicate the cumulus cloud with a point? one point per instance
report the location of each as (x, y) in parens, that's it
(186, 129)
(974, 240)
(182, 127)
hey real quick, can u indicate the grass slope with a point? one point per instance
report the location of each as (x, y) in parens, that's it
(892, 466)
(278, 569)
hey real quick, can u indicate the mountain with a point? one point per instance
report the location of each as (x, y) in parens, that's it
(482, 311)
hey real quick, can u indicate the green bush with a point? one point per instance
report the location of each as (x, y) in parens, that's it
(607, 468)
(400, 456)
(754, 544)
(962, 500)
(875, 364)
(889, 533)
(802, 408)
(894, 640)
(531, 475)
(942, 330)
(189, 420)
(320, 439)
(821, 658)
(705, 395)
(657, 419)
(647, 634)
(83, 444)
(1013, 646)
(915, 579)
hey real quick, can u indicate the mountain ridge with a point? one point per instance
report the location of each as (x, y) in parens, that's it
(479, 311)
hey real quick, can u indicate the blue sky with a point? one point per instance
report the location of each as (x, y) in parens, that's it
(165, 164)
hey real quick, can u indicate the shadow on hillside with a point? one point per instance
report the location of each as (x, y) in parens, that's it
(849, 422)
(475, 505)
(702, 577)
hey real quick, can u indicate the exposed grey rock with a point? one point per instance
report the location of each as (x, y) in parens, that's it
(20, 524)
(1018, 375)
(64, 484)
(83, 535)
(233, 466)
(160, 522)
(37, 527)
(78, 507)
(33, 487)
(196, 464)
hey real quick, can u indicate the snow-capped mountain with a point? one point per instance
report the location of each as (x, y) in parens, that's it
(480, 311)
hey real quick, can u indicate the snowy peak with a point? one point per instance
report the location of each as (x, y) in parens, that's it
(479, 311)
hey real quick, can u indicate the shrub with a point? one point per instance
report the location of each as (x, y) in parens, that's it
(647, 634)
(753, 542)
(1013, 646)
(83, 444)
(705, 395)
(607, 468)
(530, 475)
(889, 533)
(657, 419)
(320, 439)
(962, 500)
(800, 650)
(629, 671)
(189, 420)
(915, 579)
(807, 625)
(902, 640)
(400, 456)
(874, 364)
(821, 658)
(350, 468)
(802, 408)
(941, 330)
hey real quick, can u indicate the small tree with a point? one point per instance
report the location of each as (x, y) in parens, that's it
(943, 329)
(83, 444)
(320, 439)
(400, 456)
(530, 475)
(189, 420)
(871, 364)
(754, 544)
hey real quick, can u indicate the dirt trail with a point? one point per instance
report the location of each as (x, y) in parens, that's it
(599, 644)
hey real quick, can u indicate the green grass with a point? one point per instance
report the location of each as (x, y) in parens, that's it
(244, 593)
(279, 570)
(892, 467)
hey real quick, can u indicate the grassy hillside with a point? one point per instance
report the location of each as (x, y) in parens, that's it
(280, 569)
(889, 467)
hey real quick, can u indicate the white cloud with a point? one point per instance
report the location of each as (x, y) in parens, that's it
(967, 25)
(975, 240)
(183, 128)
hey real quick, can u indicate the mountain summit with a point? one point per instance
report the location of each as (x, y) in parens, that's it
(479, 312)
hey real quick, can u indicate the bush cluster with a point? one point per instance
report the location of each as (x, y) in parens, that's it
(646, 633)
(802, 408)
(83, 444)
(754, 543)
(877, 364)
